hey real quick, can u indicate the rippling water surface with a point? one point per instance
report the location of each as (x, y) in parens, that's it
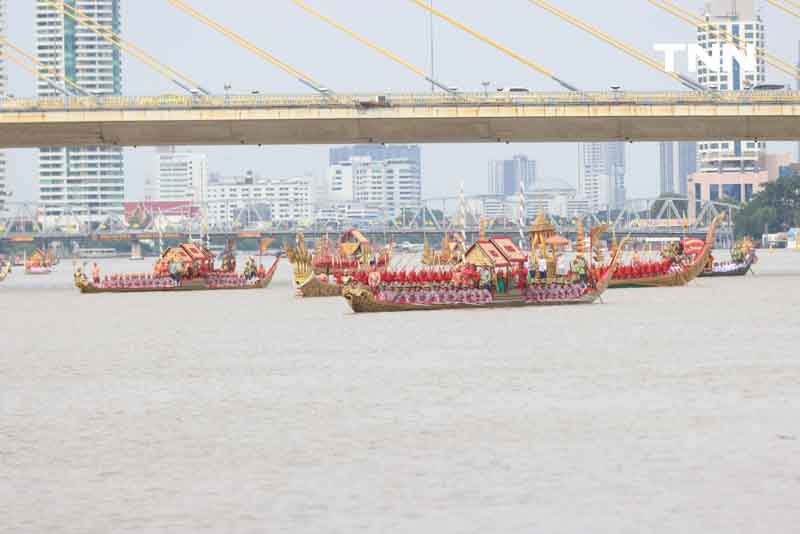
(662, 410)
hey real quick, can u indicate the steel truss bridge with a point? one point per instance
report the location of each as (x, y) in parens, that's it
(656, 217)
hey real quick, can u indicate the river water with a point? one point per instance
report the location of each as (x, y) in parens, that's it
(661, 410)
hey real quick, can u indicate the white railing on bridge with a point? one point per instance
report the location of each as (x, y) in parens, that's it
(175, 101)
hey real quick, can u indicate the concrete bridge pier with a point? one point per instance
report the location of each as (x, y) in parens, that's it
(136, 250)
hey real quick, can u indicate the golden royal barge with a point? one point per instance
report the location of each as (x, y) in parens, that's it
(324, 271)
(487, 278)
(40, 262)
(186, 267)
(677, 271)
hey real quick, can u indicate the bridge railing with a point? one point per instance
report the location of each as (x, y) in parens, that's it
(175, 101)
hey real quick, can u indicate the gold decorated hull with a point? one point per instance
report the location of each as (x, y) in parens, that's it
(191, 285)
(676, 279)
(362, 300)
(680, 278)
(313, 287)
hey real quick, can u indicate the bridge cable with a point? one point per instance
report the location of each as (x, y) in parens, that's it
(36, 72)
(113, 38)
(535, 66)
(52, 71)
(303, 78)
(701, 23)
(416, 70)
(630, 50)
(788, 9)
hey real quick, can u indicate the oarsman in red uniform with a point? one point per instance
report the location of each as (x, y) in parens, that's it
(95, 274)
(522, 278)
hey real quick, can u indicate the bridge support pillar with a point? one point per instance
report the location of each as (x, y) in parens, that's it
(136, 250)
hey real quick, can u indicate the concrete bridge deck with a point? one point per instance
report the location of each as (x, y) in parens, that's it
(439, 118)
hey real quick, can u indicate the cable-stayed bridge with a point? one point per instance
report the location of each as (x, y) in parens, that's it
(424, 118)
(77, 117)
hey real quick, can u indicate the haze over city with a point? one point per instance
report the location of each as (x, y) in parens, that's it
(345, 65)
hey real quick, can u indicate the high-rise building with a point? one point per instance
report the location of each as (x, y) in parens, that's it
(376, 153)
(86, 181)
(385, 178)
(678, 161)
(246, 198)
(181, 175)
(740, 19)
(602, 177)
(506, 175)
(3, 84)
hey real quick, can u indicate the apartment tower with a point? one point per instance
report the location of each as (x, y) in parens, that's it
(87, 182)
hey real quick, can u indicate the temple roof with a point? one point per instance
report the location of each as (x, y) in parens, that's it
(186, 252)
(484, 253)
(509, 250)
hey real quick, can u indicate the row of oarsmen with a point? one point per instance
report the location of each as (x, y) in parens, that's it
(430, 295)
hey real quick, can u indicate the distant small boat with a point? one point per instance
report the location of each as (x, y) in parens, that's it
(409, 247)
(38, 270)
(40, 262)
(97, 253)
(731, 269)
(743, 256)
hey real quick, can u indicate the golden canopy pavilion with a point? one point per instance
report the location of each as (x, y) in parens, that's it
(495, 253)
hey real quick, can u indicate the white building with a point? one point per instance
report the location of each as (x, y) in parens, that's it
(385, 178)
(230, 200)
(554, 197)
(344, 212)
(181, 175)
(568, 207)
(602, 176)
(3, 85)
(740, 19)
(497, 208)
(89, 181)
(340, 182)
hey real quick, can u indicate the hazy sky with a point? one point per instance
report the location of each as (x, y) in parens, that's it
(345, 65)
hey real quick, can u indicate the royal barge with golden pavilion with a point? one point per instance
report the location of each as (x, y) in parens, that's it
(494, 273)
(40, 262)
(329, 267)
(186, 267)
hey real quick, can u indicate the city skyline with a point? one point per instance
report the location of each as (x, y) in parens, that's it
(217, 62)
